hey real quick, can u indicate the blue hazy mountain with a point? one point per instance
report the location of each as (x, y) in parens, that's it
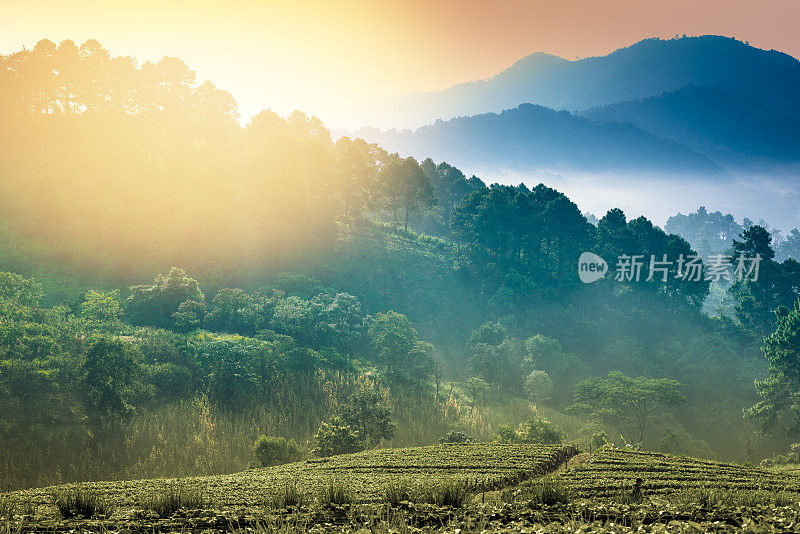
(647, 68)
(733, 130)
(531, 137)
(687, 105)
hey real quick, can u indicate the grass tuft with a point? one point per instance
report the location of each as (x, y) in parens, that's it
(289, 496)
(174, 497)
(397, 493)
(707, 496)
(455, 493)
(80, 502)
(545, 490)
(335, 492)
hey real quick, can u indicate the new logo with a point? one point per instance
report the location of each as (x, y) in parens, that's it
(591, 267)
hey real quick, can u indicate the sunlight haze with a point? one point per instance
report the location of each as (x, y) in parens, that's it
(327, 57)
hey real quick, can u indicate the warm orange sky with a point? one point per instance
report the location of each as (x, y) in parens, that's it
(324, 56)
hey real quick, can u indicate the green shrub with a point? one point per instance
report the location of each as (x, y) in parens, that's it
(174, 497)
(598, 441)
(535, 430)
(276, 451)
(335, 492)
(78, 502)
(336, 438)
(454, 436)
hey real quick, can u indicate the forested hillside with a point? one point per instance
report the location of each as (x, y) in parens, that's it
(176, 285)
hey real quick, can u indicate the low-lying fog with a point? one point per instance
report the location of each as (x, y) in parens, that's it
(776, 200)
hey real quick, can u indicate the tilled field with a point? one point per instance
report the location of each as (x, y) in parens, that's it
(610, 471)
(597, 500)
(651, 516)
(366, 474)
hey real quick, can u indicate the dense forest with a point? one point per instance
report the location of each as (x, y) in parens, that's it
(176, 285)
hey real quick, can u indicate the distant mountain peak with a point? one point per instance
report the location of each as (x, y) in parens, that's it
(647, 68)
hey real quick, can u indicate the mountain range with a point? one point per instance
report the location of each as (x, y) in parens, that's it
(705, 105)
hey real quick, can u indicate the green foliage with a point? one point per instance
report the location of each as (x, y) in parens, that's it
(337, 437)
(493, 357)
(598, 440)
(756, 302)
(371, 421)
(15, 288)
(297, 284)
(396, 342)
(234, 311)
(190, 316)
(455, 436)
(626, 401)
(710, 496)
(155, 304)
(507, 228)
(108, 372)
(563, 369)
(790, 458)
(25, 508)
(709, 233)
(406, 187)
(477, 388)
(672, 442)
(613, 473)
(535, 430)
(276, 450)
(101, 306)
(538, 386)
(780, 402)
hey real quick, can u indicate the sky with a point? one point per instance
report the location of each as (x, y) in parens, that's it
(326, 56)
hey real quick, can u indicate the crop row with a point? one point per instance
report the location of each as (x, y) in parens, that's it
(366, 474)
(612, 471)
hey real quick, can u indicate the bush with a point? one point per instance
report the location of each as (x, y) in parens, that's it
(536, 430)
(792, 457)
(455, 437)
(276, 451)
(336, 438)
(78, 502)
(598, 441)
